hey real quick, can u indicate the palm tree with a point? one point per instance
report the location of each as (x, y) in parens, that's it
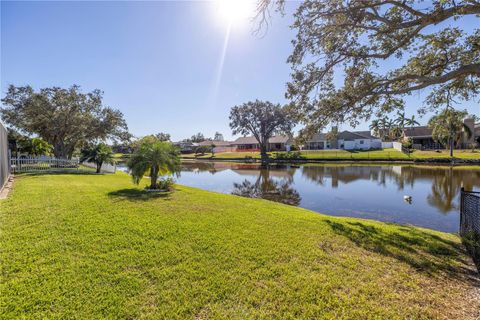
(448, 127)
(387, 125)
(98, 154)
(412, 122)
(395, 132)
(400, 120)
(156, 158)
(375, 127)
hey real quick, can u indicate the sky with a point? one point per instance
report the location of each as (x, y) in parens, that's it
(176, 67)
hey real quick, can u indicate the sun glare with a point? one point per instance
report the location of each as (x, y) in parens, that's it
(236, 10)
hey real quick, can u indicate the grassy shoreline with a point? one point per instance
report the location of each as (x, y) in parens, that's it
(387, 155)
(94, 246)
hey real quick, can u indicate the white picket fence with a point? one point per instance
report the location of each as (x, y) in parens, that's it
(42, 164)
(45, 164)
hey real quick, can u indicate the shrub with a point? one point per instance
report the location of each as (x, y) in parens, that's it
(167, 184)
(290, 155)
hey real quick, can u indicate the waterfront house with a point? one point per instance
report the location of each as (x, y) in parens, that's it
(275, 143)
(186, 146)
(348, 140)
(422, 136)
(218, 145)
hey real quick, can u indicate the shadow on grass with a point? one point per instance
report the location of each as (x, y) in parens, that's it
(139, 195)
(421, 250)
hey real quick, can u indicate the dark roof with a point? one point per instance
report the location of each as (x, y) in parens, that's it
(318, 137)
(253, 140)
(216, 143)
(366, 134)
(347, 135)
(422, 131)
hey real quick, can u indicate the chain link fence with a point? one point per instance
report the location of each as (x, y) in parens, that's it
(470, 223)
(4, 156)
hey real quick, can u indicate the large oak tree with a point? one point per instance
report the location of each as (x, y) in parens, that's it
(353, 59)
(262, 119)
(65, 118)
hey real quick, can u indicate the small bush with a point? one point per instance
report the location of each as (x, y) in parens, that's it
(166, 184)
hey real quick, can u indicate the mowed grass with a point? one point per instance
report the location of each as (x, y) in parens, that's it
(384, 154)
(86, 246)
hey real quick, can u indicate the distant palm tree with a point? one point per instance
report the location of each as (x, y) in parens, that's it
(384, 126)
(387, 126)
(395, 132)
(375, 127)
(98, 154)
(448, 127)
(412, 122)
(156, 159)
(400, 120)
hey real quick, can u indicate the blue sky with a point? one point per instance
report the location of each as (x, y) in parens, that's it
(158, 62)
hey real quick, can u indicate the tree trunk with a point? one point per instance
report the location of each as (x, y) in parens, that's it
(451, 148)
(59, 150)
(263, 154)
(153, 177)
(99, 167)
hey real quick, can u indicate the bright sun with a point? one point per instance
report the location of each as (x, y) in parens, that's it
(235, 10)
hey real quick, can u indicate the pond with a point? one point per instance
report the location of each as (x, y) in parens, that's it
(364, 191)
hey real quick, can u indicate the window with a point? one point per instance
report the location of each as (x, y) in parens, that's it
(361, 141)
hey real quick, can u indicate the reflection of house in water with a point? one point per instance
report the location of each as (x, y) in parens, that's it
(212, 167)
(272, 173)
(343, 174)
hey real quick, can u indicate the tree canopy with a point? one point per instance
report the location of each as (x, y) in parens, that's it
(218, 136)
(34, 146)
(381, 51)
(199, 137)
(161, 136)
(262, 119)
(65, 118)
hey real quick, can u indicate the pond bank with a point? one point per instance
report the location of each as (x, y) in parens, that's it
(439, 161)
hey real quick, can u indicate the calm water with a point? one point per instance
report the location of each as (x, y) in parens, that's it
(372, 192)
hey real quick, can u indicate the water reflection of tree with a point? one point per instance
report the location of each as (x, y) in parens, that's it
(445, 182)
(267, 188)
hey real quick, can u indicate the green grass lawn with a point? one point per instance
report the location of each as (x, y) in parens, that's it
(385, 154)
(91, 246)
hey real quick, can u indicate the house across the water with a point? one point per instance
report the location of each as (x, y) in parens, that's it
(276, 143)
(348, 140)
(422, 136)
(186, 146)
(218, 145)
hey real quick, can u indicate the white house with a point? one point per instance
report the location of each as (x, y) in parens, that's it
(348, 140)
(360, 140)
